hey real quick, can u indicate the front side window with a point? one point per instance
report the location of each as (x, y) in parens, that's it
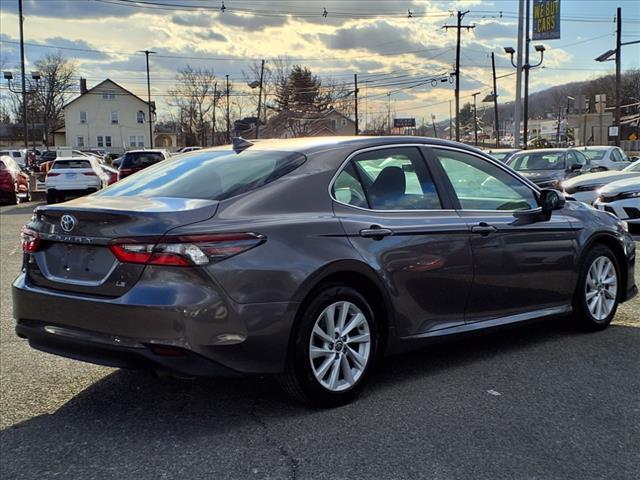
(615, 155)
(212, 175)
(387, 179)
(480, 185)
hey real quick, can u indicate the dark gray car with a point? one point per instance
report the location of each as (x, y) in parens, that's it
(549, 167)
(310, 258)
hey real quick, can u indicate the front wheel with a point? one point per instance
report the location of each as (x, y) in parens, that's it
(334, 348)
(598, 291)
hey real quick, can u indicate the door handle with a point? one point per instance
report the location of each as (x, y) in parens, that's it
(483, 229)
(376, 232)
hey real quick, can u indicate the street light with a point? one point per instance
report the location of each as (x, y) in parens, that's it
(527, 66)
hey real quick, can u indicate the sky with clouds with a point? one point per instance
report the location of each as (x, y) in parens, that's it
(375, 38)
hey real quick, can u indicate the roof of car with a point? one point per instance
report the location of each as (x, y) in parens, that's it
(596, 147)
(313, 144)
(147, 150)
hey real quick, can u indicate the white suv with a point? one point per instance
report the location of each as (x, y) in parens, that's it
(74, 176)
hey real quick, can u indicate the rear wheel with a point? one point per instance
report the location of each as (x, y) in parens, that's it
(334, 348)
(598, 291)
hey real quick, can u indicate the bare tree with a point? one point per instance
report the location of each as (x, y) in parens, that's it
(193, 96)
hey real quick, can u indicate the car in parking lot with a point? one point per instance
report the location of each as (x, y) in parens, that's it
(585, 187)
(14, 182)
(136, 160)
(17, 155)
(549, 167)
(311, 259)
(607, 158)
(621, 198)
(502, 154)
(73, 176)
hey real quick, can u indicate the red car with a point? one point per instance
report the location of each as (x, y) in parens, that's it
(14, 183)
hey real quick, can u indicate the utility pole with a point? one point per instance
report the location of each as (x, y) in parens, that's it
(260, 99)
(146, 53)
(495, 101)
(618, 51)
(355, 93)
(475, 119)
(433, 122)
(213, 120)
(525, 113)
(558, 128)
(459, 28)
(389, 112)
(228, 114)
(450, 125)
(518, 103)
(24, 79)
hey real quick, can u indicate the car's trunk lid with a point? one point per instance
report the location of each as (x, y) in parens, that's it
(75, 256)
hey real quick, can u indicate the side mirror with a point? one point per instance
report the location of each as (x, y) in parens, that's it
(574, 167)
(634, 159)
(551, 200)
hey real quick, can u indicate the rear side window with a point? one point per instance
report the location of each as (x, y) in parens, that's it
(387, 179)
(208, 175)
(141, 159)
(60, 164)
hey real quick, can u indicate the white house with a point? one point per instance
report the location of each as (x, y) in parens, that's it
(106, 116)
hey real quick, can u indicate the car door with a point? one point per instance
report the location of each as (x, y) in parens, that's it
(405, 228)
(521, 262)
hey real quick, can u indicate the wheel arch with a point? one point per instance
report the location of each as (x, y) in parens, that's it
(356, 275)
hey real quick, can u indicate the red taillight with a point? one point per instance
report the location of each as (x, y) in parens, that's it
(123, 172)
(51, 174)
(30, 240)
(184, 250)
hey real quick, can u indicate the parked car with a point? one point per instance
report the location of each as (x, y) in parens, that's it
(188, 149)
(608, 158)
(136, 160)
(549, 167)
(502, 154)
(73, 176)
(111, 172)
(17, 155)
(14, 182)
(621, 198)
(312, 259)
(585, 187)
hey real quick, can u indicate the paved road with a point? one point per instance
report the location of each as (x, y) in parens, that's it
(538, 402)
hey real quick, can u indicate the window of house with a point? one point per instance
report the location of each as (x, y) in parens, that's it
(132, 141)
(107, 141)
(100, 141)
(83, 117)
(108, 95)
(343, 122)
(480, 185)
(333, 123)
(140, 141)
(387, 179)
(80, 142)
(114, 117)
(140, 116)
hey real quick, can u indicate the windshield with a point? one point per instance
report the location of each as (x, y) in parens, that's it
(538, 161)
(594, 154)
(140, 159)
(634, 167)
(212, 175)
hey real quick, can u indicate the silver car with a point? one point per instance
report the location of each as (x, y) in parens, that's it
(585, 187)
(608, 158)
(622, 198)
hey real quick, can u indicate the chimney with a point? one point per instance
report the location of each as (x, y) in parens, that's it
(83, 86)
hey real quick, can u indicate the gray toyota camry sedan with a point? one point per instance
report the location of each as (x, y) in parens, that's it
(311, 259)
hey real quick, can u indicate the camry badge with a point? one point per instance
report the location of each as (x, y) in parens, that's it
(68, 222)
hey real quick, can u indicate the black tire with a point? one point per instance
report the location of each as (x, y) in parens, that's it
(51, 198)
(582, 316)
(298, 380)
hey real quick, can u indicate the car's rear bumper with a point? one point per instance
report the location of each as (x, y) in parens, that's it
(214, 332)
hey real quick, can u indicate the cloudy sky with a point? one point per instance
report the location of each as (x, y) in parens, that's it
(374, 38)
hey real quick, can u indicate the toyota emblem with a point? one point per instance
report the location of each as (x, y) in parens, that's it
(68, 222)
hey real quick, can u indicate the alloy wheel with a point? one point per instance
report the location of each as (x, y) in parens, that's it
(340, 346)
(601, 288)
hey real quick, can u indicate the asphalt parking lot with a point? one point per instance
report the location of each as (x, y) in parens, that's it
(537, 402)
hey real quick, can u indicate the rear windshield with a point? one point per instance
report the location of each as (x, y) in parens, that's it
(594, 154)
(59, 164)
(538, 161)
(208, 175)
(141, 159)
